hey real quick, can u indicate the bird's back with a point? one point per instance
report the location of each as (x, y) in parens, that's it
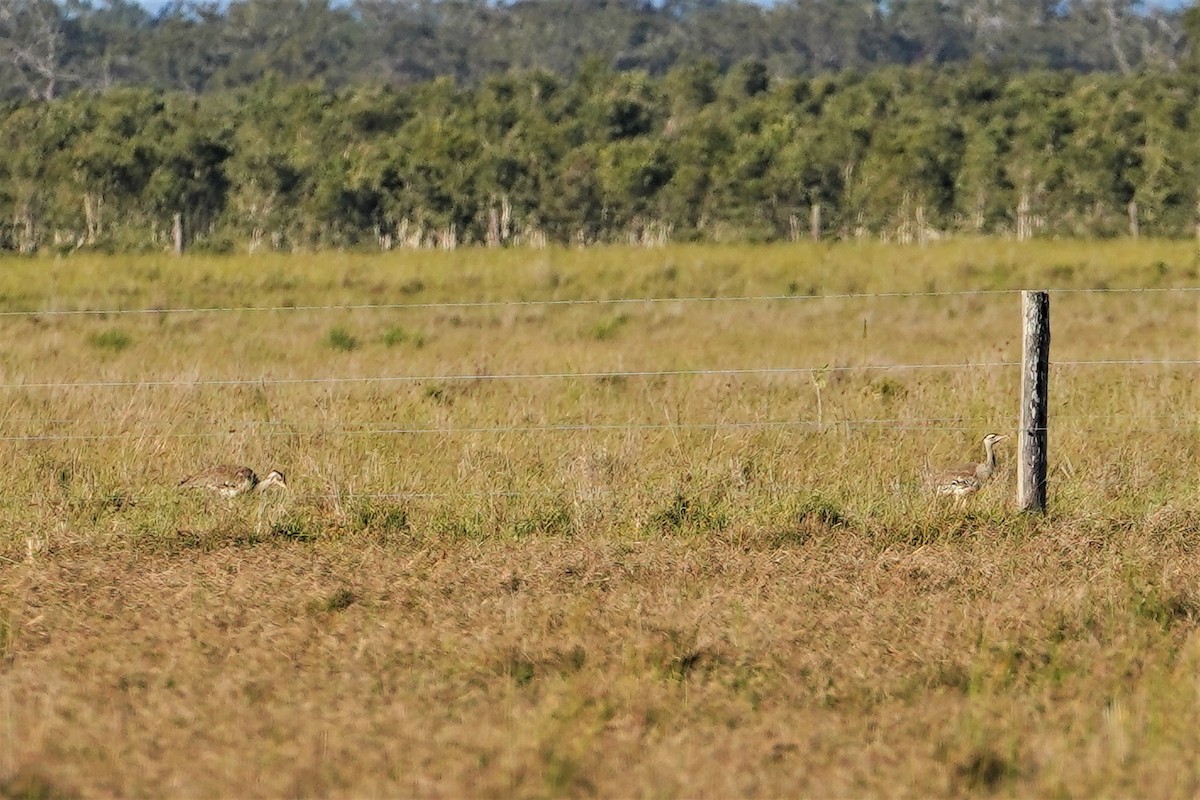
(227, 480)
(959, 480)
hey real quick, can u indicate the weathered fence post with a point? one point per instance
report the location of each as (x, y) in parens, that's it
(1035, 400)
(177, 233)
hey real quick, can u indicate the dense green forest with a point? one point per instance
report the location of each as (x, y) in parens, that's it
(52, 47)
(702, 150)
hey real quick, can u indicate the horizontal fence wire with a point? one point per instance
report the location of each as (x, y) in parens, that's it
(597, 301)
(502, 376)
(843, 426)
(238, 426)
(597, 375)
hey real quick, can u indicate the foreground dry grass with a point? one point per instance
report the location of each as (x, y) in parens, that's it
(693, 585)
(750, 663)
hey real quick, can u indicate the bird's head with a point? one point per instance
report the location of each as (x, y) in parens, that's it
(275, 478)
(993, 438)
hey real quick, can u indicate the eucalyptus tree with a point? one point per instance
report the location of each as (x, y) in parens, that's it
(35, 46)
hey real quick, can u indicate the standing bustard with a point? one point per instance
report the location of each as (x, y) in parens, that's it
(230, 480)
(965, 480)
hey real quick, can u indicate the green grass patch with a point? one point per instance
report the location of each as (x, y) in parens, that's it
(396, 336)
(112, 340)
(341, 339)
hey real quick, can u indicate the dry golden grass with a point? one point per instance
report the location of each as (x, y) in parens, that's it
(701, 585)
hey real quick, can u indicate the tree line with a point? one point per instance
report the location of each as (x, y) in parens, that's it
(53, 47)
(905, 153)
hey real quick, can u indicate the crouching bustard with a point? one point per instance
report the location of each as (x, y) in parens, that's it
(962, 481)
(230, 480)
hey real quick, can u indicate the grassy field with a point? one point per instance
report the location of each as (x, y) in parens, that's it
(673, 548)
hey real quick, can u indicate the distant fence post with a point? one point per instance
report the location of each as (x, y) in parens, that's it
(1035, 401)
(177, 233)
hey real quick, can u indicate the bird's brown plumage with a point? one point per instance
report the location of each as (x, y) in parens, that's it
(231, 480)
(964, 480)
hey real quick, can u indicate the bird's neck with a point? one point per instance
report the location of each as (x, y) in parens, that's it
(989, 463)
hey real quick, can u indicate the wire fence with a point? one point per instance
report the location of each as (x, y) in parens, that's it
(569, 302)
(846, 426)
(386, 429)
(596, 375)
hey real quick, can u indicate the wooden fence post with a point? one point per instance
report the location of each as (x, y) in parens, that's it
(1035, 400)
(177, 233)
